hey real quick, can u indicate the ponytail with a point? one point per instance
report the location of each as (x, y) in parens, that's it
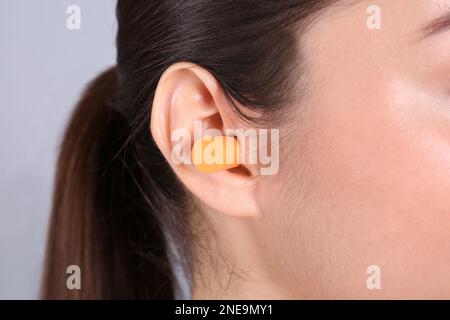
(101, 218)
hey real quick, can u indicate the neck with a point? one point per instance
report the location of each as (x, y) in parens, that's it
(238, 288)
(235, 267)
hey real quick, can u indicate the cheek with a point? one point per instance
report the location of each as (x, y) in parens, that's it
(420, 117)
(379, 163)
(388, 151)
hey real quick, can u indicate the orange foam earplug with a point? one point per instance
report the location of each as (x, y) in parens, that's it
(215, 153)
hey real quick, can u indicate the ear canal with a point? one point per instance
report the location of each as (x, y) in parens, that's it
(215, 153)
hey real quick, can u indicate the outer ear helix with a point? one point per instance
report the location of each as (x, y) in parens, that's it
(215, 153)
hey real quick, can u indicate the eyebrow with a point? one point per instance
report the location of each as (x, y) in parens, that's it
(439, 25)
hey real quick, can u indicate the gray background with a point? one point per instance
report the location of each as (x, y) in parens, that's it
(44, 67)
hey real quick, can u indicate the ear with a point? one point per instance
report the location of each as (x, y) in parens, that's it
(189, 102)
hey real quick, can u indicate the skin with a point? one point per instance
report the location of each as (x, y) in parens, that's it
(364, 167)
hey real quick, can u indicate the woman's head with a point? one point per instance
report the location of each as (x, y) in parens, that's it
(364, 153)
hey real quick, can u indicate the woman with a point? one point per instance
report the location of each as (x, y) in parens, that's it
(360, 95)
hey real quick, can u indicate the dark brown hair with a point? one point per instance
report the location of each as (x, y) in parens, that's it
(116, 201)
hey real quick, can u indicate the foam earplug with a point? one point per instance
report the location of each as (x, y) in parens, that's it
(215, 153)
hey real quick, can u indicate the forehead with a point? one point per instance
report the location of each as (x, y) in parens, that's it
(341, 43)
(399, 15)
(401, 22)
